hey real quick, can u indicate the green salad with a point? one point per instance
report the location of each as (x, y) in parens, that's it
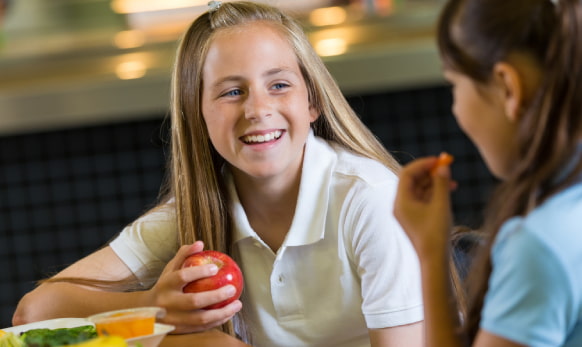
(51, 337)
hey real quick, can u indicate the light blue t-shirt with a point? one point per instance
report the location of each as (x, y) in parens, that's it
(535, 289)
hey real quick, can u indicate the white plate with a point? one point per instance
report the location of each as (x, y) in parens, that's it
(152, 340)
(49, 324)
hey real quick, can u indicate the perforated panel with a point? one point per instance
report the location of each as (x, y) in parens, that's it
(64, 194)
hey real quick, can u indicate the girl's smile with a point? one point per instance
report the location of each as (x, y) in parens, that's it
(262, 137)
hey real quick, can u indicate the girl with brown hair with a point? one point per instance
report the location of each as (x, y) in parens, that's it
(515, 67)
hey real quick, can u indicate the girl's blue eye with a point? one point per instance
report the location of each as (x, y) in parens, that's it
(234, 92)
(279, 85)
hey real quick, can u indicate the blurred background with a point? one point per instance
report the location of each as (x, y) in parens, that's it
(84, 92)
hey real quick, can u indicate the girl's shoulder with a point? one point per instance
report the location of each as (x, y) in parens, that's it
(562, 208)
(164, 212)
(350, 164)
(555, 223)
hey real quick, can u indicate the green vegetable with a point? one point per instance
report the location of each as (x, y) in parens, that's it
(58, 337)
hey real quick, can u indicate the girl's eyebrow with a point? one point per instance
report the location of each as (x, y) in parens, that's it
(236, 78)
(223, 80)
(278, 70)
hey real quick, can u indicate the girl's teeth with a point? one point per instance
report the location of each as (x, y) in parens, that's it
(262, 138)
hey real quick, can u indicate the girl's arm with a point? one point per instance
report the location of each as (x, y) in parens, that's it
(387, 266)
(422, 206)
(406, 335)
(69, 299)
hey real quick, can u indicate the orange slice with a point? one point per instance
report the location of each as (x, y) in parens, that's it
(444, 159)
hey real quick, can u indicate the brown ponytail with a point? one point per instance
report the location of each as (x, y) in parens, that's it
(473, 35)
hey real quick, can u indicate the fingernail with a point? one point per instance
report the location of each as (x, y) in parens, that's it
(230, 291)
(237, 306)
(213, 269)
(443, 171)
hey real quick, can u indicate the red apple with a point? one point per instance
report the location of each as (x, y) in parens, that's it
(228, 273)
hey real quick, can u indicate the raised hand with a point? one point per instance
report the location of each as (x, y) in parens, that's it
(422, 204)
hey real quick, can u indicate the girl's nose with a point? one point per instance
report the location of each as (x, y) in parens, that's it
(257, 106)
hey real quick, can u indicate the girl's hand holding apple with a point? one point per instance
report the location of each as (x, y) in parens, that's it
(228, 273)
(186, 311)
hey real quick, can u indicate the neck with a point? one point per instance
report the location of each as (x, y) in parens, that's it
(265, 196)
(269, 204)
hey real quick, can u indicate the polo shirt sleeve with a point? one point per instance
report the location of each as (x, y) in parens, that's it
(384, 259)
(148, 244)
(529, 298)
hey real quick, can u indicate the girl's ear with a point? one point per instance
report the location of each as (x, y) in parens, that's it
(511, 89)
(313, 114)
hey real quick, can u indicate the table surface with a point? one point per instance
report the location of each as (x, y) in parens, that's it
(211, 338)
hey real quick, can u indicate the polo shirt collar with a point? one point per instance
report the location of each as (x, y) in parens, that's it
(308, 225)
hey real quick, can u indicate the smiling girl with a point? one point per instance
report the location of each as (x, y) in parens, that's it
(271, 165)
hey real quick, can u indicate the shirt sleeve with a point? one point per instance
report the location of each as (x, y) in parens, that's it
(148, 244)
(384, 259)
(529, 298)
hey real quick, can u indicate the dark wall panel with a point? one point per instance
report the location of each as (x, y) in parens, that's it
(63, 194)
(418, 122)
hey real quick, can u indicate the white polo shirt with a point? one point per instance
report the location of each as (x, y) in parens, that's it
(345, 265)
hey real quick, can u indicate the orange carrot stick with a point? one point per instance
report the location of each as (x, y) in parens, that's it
(444, 159)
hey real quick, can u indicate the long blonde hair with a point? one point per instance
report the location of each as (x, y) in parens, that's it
(194, 169)
(195, 180)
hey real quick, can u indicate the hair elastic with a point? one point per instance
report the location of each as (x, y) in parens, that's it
(214, 5)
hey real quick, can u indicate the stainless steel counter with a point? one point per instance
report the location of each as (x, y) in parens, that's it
(73, 79)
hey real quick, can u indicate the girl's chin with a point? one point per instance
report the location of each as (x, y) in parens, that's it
(256, 172)
(497, 171)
